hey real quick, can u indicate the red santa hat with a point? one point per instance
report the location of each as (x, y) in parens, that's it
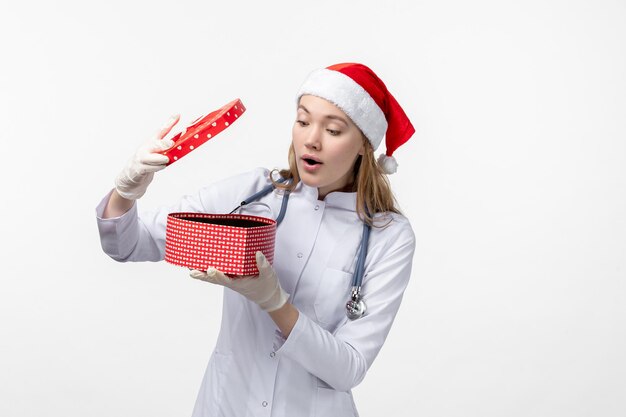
(361, 95)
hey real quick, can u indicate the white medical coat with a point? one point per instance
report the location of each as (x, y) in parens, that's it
(253, 370)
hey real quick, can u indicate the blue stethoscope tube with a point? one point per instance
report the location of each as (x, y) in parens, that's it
(355, 307)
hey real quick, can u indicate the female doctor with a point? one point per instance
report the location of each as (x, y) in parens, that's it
(295, 339)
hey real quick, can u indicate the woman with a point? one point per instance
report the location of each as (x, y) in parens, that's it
(286, 346)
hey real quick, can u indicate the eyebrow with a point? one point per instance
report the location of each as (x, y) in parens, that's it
(328, 116)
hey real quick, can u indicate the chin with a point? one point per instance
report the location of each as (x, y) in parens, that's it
(307, 180)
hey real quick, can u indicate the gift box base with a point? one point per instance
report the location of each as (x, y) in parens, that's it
(227, 242)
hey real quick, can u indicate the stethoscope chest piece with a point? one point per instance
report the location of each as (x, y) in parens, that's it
(355, 307)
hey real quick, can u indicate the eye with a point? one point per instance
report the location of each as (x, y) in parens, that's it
(302, 123)
(333, 132)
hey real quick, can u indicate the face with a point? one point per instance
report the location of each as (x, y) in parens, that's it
(326, 144)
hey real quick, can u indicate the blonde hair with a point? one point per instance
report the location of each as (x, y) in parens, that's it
(373, 191)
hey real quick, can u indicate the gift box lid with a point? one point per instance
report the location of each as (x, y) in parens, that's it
(204, 128)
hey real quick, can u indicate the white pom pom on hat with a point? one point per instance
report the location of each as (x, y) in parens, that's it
(388, 163)
(359, 93)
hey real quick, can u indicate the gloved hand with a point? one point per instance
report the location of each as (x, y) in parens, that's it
(134, 179)
(265, 290)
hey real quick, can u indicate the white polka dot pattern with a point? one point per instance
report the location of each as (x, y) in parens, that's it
(203, 129)
(191, 240)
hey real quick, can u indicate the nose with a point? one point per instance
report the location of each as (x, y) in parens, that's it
(313, 139)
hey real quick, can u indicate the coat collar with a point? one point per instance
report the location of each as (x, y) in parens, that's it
(346, 201)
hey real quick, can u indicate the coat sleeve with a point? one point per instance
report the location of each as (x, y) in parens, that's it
(341, 359)
(137, 237)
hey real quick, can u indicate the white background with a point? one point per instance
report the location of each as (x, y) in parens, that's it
(514, 183)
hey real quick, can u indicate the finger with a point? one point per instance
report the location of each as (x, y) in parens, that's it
(218, 276)
(154, 159)
(165, 144)
(204, 276)
(149, 169)
(167, 127)
(194, 273)
(159, 145)
(262, 263)
(223, 280)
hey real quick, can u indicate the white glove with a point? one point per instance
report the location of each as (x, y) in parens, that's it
(265, 290)
(134, 179)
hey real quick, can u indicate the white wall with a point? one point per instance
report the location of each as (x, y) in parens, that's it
(514, 183)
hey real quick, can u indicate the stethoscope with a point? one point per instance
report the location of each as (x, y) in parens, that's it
(355, 307)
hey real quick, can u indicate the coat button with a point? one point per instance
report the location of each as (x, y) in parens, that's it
(317, 207)
(300, 255)
(264, 403)
(272, 354)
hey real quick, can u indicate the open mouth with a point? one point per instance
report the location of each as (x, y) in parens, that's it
(311, 160)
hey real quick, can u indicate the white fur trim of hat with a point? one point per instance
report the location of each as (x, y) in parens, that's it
(351, 98)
